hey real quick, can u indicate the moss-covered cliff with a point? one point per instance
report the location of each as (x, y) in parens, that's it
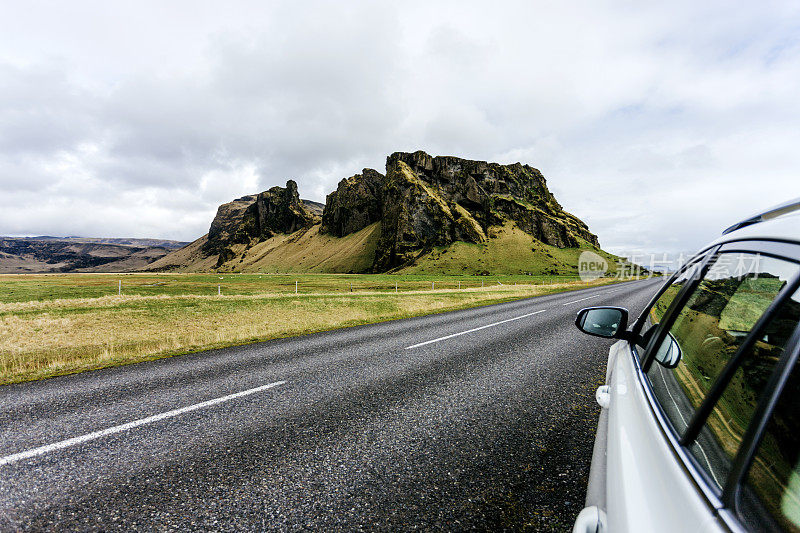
(422, 203)
(256, 218)
(426, 201)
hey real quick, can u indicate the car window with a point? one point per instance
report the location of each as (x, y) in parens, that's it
(708, 330)
(719, 440)
(655, 314)
(770, 498)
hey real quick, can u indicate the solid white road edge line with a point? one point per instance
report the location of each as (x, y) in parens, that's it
(13, 458)
(582, 299)
(473, 329)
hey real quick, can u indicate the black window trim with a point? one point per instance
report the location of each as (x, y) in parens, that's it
(756, 429)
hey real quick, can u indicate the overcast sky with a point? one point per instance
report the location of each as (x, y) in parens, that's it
(658, 125)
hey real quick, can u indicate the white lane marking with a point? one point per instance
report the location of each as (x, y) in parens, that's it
(474, 329)
(582, 299)
(13, 458)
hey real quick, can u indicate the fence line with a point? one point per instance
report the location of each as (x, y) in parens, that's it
(325, 287)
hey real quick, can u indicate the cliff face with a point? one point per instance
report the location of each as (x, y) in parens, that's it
(417, 218)
(492, 192)
(225, 226)
(388, 220)
(252, 219)
(355, 204)
(426, 201)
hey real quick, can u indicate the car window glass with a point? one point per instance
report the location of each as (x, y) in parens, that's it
(708, 330)
(655, 314)
(770, 499)
(719, 440)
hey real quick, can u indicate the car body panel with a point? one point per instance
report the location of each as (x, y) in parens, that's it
(647, 488)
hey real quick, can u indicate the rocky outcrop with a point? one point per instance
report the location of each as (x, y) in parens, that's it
(426, 201)
(278, 210)
(255, 218)
(557, 229)
(492, 192)
(416, 218)
(227, 223)
(421, 202)
(355, 204)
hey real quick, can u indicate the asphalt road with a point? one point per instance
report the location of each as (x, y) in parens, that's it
(490, 426)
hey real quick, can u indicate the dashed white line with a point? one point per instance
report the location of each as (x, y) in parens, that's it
(582, 299)
(8, 459)
(473, 329)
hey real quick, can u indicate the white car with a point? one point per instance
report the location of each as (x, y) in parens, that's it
(700, 426)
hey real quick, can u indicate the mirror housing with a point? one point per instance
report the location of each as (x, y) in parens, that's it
(607, 322)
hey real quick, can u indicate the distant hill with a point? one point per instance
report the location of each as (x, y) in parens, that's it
(425, 214)
(138, 243)
(21, 255)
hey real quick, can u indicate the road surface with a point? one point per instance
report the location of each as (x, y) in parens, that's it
(475, 419)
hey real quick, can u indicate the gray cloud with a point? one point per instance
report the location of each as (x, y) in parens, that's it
(658, 125)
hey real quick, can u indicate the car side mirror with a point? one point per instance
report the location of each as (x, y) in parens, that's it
(669, 353)
(608, 322)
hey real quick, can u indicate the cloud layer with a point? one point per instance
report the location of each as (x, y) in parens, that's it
(657, 125)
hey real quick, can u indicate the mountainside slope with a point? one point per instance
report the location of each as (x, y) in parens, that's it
(507, 250)
(422, 209)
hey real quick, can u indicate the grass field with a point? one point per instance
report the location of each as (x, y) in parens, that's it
(53, 324)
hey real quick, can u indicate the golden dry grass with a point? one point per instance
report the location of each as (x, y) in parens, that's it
(50, 337)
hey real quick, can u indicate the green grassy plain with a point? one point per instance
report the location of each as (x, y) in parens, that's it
(36, 287)
(52, 324)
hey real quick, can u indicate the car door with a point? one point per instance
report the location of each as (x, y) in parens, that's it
(672, 431)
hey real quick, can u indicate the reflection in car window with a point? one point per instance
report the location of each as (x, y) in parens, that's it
(659, 308)
(707, 332)
(772, 489)
(722, 434)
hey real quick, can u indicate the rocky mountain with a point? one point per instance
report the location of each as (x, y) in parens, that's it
(252, 219)
(420, 208)
(22, 255)
(426, 201)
